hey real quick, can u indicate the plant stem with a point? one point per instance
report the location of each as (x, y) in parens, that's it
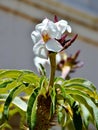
(52, 57)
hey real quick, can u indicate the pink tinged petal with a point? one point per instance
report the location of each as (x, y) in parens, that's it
(35, 35)
(40, 50)
(53, 45)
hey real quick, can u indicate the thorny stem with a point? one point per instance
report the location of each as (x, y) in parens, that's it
(52, 57)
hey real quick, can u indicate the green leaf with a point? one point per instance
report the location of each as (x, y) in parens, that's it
(20, 104)
(9, 87)
(88, 84)
(77, 120)
(61, 88)
(85, 115)
(20, 75)
(90, 105)
(14, 92)
(16, 101)
(86, 100)
(5, 82)
(9, 79)
(10, 74)
(59, 80)
(31, 78)
(43, 86)
(32, 109)
(62, 115)
(53, 99)
(81, 84)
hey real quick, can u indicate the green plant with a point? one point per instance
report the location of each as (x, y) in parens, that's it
(43, 101)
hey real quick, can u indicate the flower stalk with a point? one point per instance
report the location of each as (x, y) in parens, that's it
(52, 57)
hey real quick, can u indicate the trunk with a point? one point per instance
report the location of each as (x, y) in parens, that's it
(43, 113)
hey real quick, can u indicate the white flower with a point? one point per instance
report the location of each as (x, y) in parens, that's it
(59, 57)
(38, 61)
(46, 36)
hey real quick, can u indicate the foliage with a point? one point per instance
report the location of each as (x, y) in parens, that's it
(74, 101)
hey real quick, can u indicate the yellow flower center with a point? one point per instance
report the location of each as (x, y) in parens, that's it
(45, 37)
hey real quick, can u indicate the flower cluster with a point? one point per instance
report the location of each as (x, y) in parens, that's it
(49, 36)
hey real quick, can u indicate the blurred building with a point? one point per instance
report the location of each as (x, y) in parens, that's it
(17, 21)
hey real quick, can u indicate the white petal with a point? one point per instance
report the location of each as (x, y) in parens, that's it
(36, 36)
(58, 35)
(38, 61)
(69, 29)
(45, 21)
(62, 22)
(53, 45)
(42, 25)
(62, 26)
(58, 58)
(54, 32)
(40, 50)
(39, 27)
(52, 29)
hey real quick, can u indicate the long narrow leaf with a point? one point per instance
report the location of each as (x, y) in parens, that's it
(20, 103)
(53, 99)
(85, 115)
(90, 105)
(32, 109)
(5, 82)
(17, 90)
(17, 101)
(20, 75)
(83, 88)
(88, 84)
(77, 120)
(10, 74)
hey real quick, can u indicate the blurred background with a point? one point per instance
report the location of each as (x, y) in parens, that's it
(17, 21)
